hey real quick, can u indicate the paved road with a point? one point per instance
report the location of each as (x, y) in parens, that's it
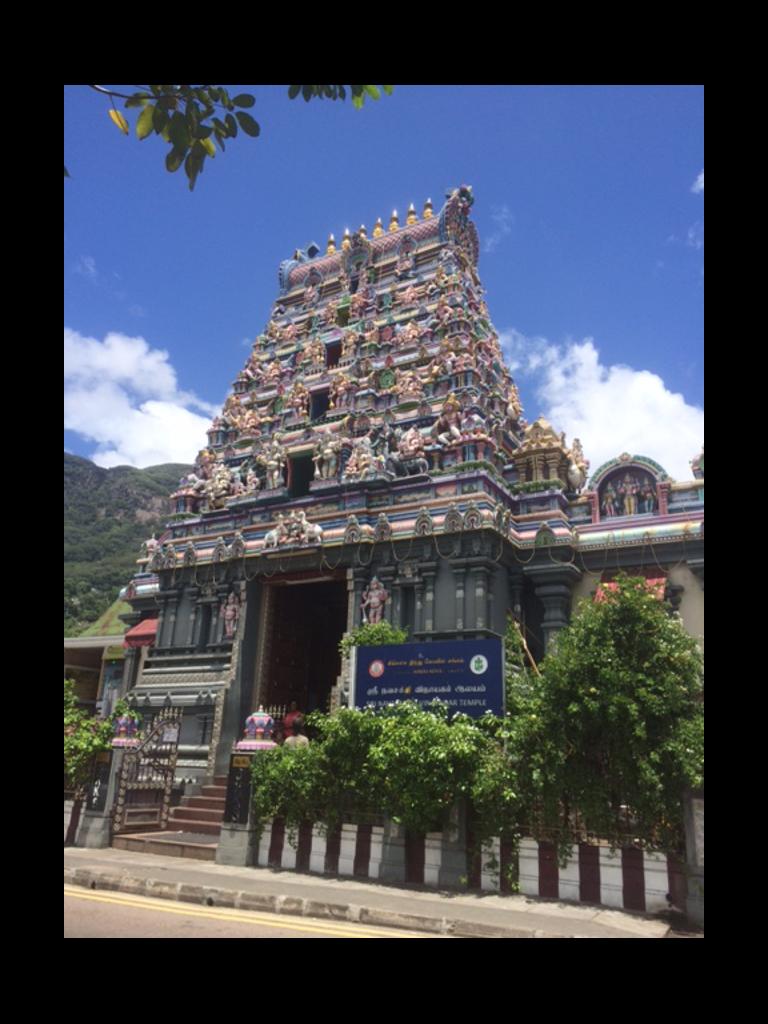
(113, 915)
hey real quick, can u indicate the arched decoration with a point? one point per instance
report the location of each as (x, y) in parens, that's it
(628, 486)
(454, 521)
(357, 257)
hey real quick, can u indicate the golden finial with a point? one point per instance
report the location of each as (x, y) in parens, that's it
(412, 218)
(331, 245)
(378, 228)
(362, 232)
(346, 242)
(394, 224)
(427, 210)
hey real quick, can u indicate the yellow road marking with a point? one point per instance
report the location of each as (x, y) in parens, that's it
(350, 930)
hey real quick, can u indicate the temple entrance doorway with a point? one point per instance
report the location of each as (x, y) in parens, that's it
(308, 619)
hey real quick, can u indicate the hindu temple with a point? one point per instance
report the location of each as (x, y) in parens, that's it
(373, 462)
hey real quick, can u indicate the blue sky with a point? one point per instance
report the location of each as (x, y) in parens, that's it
(589, 202)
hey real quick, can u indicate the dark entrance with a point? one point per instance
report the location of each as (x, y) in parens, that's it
(308, 620)
(301, 469)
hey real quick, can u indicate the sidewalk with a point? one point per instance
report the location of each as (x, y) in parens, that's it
(479, 915)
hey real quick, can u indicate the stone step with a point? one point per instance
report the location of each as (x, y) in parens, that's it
(213, 803)
(218, 792)
(212, 828)
(196, 814)
(170, 844)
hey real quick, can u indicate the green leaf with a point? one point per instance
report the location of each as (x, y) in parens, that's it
(373, 92)
(146, 123)
(244, 100)
(174, 160)
(388, 89)
(231, 126)
(293, 92)
(193, 117)
(138, 99)
(159, 120)
(358, 101)
(66, 172)
(208, 146)
(179, 132)
(247, 123)
(307, 91)
(193, 166)
(203, 131)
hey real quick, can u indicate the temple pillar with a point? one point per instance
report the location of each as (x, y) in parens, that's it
(193, 595)
(553, 586)
(459, 576)
(480, 575)
(429, 600)
(418, 625)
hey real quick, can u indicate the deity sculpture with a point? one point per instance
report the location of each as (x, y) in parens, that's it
(374, 598)
(274, 461)
(230, 614)
(408, 384)
(326, 457)
(149, 547)
(446, 428)
(340, 390)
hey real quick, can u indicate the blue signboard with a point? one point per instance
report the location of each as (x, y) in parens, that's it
(467, 675)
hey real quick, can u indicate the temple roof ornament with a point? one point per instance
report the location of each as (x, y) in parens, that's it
(697, 465)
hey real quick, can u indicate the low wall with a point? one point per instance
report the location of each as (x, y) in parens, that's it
(628, 879)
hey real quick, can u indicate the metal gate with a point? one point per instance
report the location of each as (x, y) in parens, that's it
(146, 777)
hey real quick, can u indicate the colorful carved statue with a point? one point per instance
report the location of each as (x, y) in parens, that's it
(274, 461)
(373, 601)
(447, 428)
(230, 614)
(279, 535)
(609, 500)
(326, 457)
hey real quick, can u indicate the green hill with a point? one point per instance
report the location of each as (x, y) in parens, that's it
(107, 514)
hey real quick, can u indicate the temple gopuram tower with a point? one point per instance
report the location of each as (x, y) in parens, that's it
(375, 432)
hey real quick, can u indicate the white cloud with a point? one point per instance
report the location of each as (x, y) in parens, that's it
(695, 236)
(611, 409)
(124, 395)
(698, 186)
(503, 218)
(87, 267)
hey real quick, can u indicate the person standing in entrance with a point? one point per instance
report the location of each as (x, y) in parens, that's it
(290, 719)
(297, 739)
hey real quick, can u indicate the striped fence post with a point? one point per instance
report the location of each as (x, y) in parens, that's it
(377, 851)
(570, 877)
(490, 876)
(265, 842)
(656, 880)
(347, 851)
(611, 878)
(529, 867)
(433, 857)
(289, 851)
(317, 854)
